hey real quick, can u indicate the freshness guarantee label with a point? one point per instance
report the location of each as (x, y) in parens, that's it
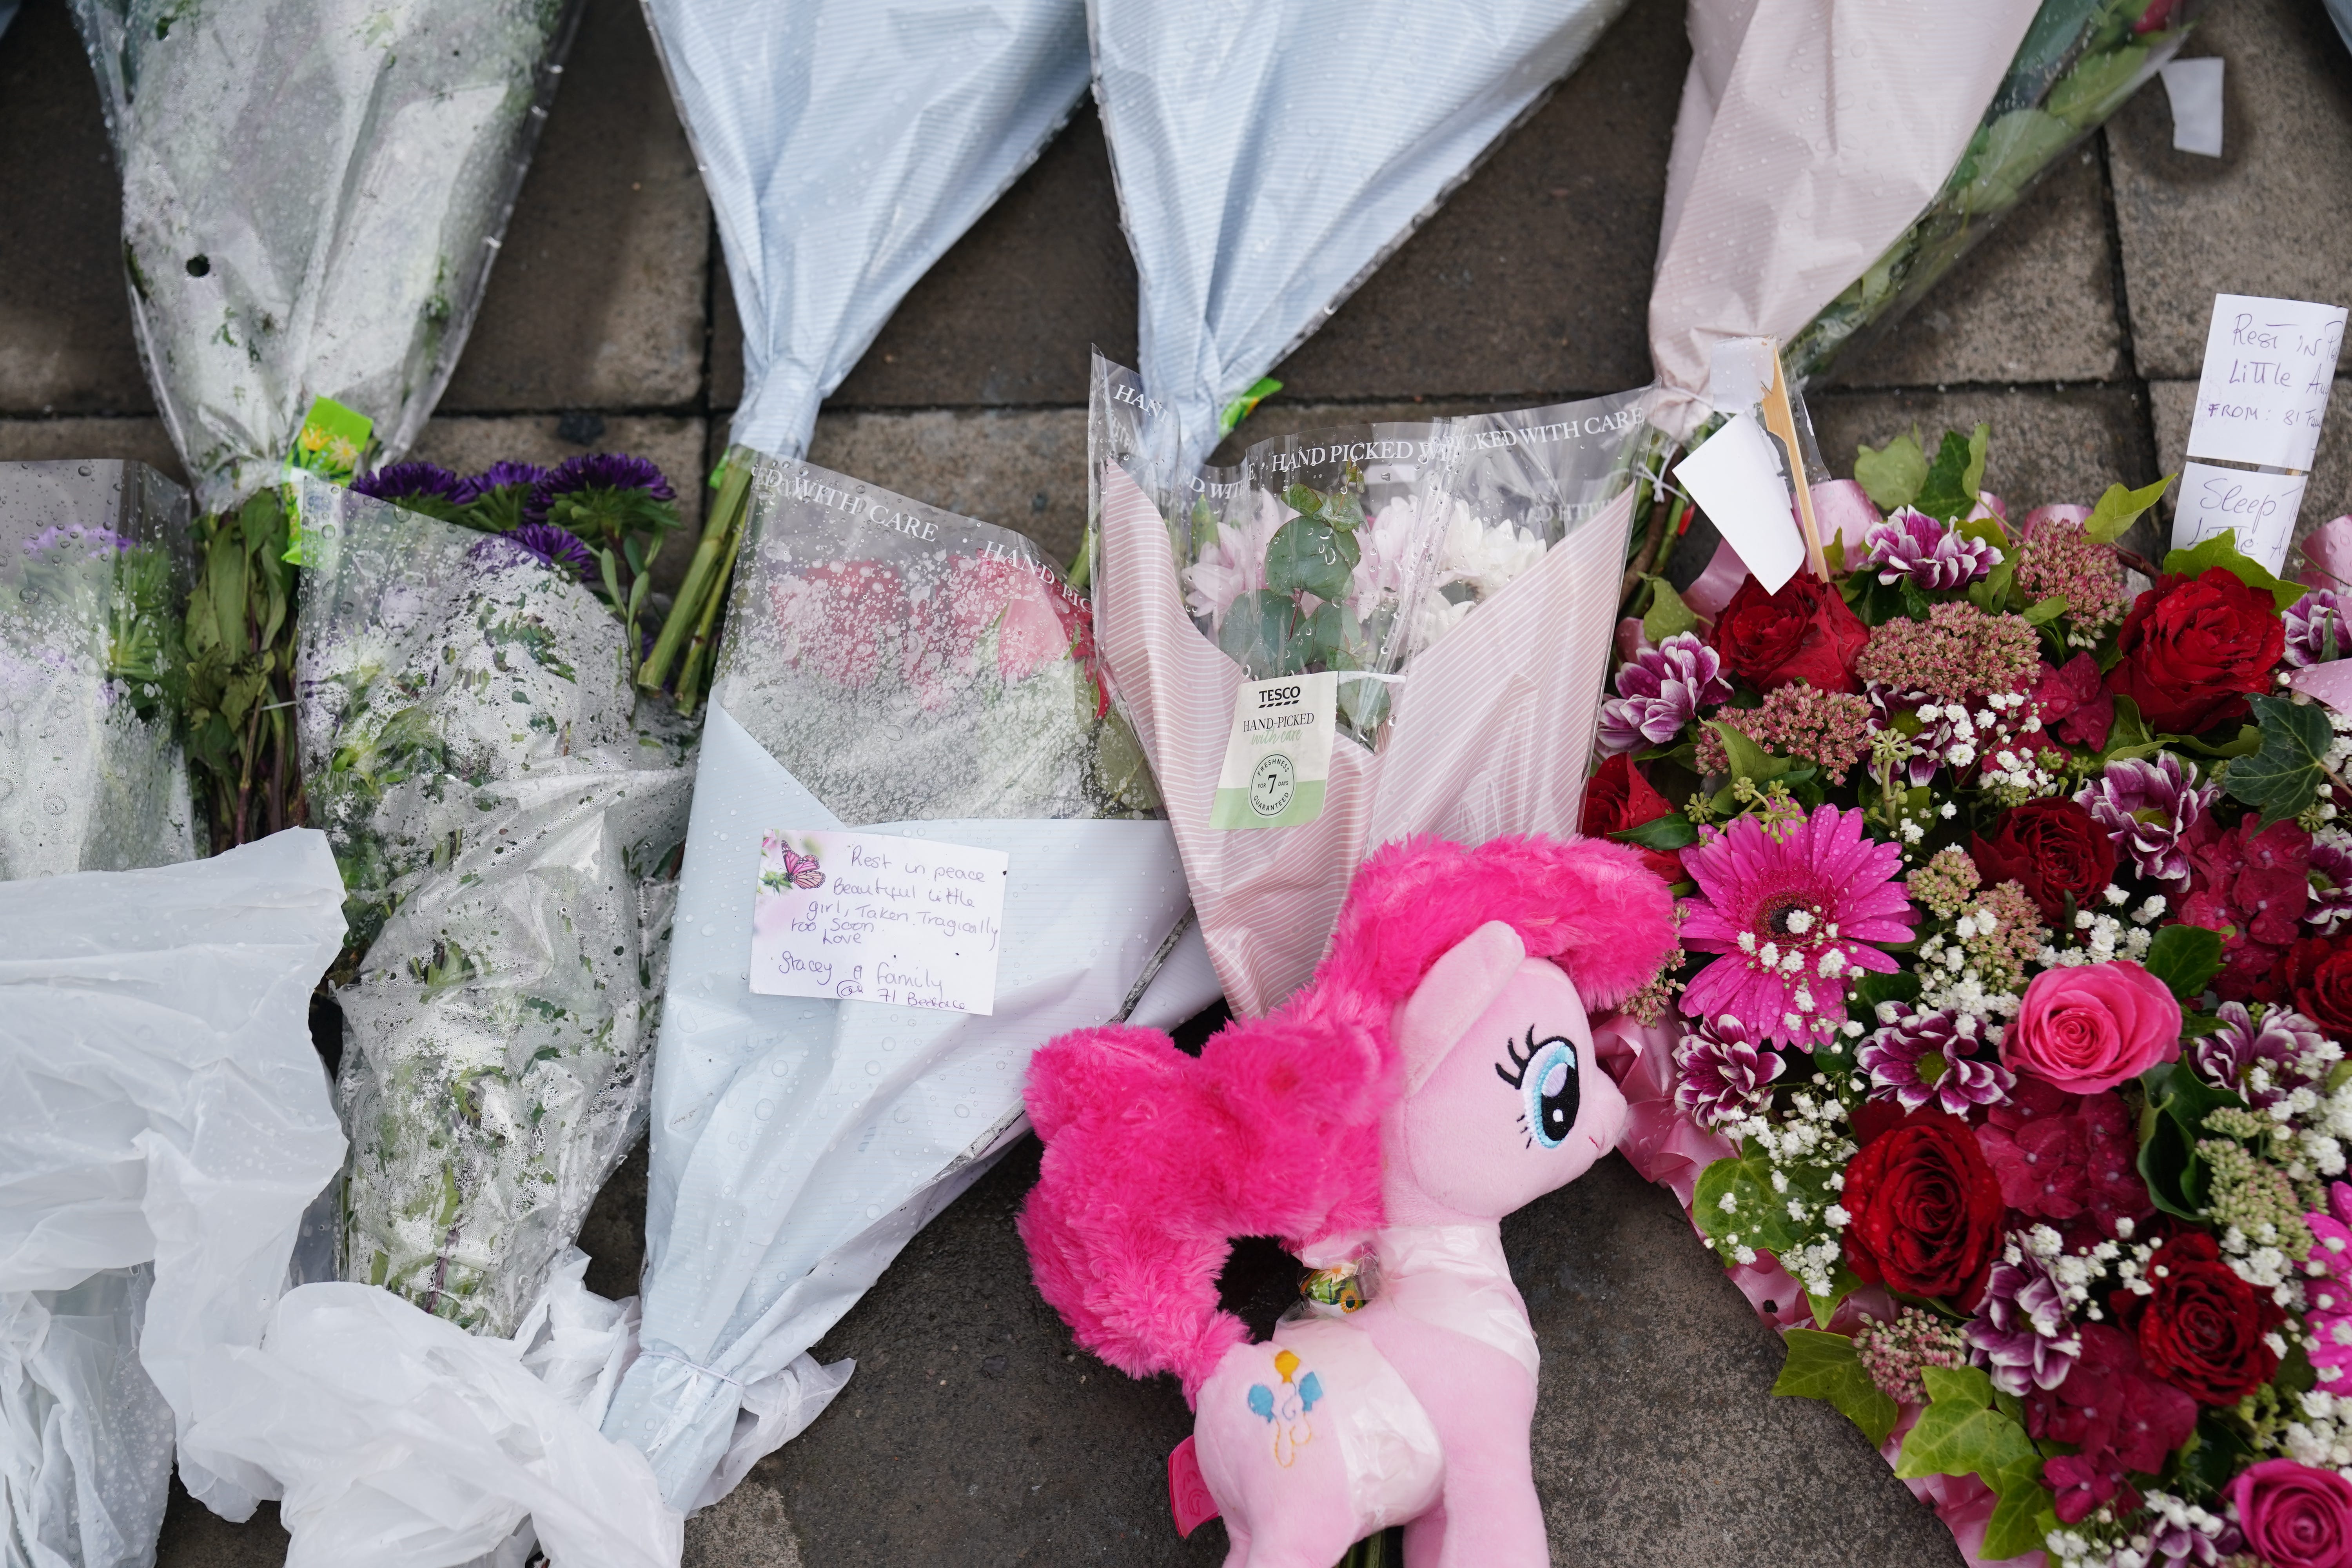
(1279, 755)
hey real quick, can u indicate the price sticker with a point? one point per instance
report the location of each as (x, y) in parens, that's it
(1279, 756)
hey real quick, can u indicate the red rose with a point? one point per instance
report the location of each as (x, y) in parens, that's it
(2050, 847)
(2202, 1330)
(1618, 797)
(1804, 632)
(2318, 975)
(2193, 648)
(1926, 1210)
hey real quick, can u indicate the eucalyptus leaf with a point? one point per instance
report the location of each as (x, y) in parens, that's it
(1306, 557)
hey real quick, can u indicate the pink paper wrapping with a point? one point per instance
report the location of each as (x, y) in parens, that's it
(1668, 1148)
(2328, 556)
(1491, 733)
(1811, 133)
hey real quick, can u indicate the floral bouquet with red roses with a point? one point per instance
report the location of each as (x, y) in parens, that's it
(2006, 1066)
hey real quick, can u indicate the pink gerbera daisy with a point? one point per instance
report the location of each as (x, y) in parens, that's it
(1794, 909)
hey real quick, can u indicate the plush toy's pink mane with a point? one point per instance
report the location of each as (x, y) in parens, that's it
(1154, 1160)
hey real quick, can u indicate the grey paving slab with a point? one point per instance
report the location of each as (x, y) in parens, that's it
(64, 316)
(597, 299)
(136, 436)
(2328, 495)
(2046, 446)
(2272, 216)
(2035, 301)
(195, 1537)
(1021, 468)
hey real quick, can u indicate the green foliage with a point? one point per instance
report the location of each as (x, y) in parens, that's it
(1827, 1367)
(2185, 958)
(1893, 474)
(2178, 1103)
(2222, 551)
(240, 699)
(2041, 612)
(1748, 761)
(1668, 615)
(1949, 490)
(1758, 1215)
(1671, 831)
(1967, 1428)
(1308, 555)
(2285, 775)
(2119, 509)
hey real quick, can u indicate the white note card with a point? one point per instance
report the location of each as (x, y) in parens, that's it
(1736, 477)
(2269, 365)
(868, 917)
(2261, 506)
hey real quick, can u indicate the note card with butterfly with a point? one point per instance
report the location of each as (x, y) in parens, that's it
(870, 916)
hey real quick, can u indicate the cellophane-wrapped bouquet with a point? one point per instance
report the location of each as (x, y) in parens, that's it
(2007, 1068)
(2079, 61)
(93, 572)
(508, 817)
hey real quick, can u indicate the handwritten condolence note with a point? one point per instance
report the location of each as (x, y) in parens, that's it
(872, 917)
(2269, 364)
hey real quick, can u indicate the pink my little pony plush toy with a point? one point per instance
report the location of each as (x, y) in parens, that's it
(1436, 1074)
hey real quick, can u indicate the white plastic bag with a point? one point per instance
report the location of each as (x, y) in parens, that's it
(163, 1123)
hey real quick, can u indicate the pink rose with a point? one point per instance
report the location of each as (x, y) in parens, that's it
(2089, 1028)
(2295, 1516)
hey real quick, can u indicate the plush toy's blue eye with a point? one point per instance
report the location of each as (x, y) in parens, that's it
(1545, 1076)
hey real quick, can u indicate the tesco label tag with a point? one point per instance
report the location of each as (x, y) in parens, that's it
(1279, 756)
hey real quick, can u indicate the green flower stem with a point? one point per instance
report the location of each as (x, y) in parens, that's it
(706, 577)
(697, 654)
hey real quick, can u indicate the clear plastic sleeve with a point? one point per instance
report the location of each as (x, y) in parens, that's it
(507, 820)
(312, 195)
(93, 574)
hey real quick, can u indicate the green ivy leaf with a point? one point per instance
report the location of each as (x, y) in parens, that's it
(1667, 614)
(1828, 1368)
(1758, 1215)
(2284, 776)
(2185, 958)
(2119, 509)
(1891, 475)
(1306, 556)
(2222, 551)
(1964, 1430)
(1945, 495)
(1671, 831)
(2021, 1521)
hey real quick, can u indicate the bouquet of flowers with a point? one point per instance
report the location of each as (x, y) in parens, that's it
(2005, 1069)
(93, 574)
(889, 670)
(506, 815)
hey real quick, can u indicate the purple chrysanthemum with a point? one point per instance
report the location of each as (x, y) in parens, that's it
(541, 541)
(1660, 689)
(1929, 742)
(1912, 544)
(2147, 806)
(2316, 630)
(2331, 882)
(2288, 1048)
(397, 482)
(597, 470)
(498, 477)
(93, 544)
(1721, 1075)
(2021, 1334)
(1794, 911)
(1930, 1057)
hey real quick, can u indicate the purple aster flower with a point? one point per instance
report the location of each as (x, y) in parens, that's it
(1922, 1059)
(1660, 689)
(594, 471)
(403, 482)
(1912, 544)
(2021, 1333)
(2331, 882)
(2147, 806)
(498, 477)
(1721, 1075)
(541, 541)
(92, 543)
(2316, 631)
(2288, 1048)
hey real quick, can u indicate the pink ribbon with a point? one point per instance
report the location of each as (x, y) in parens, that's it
(1631, 638)
(1722, 578)
(1842, 510)
(2329, 683)
(2327, 555)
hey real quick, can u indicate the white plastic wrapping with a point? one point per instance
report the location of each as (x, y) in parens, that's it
(163, 1123)
(846, 144)
(1270, 156)
(923, 676)
(312, 193)
(398, 1440)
